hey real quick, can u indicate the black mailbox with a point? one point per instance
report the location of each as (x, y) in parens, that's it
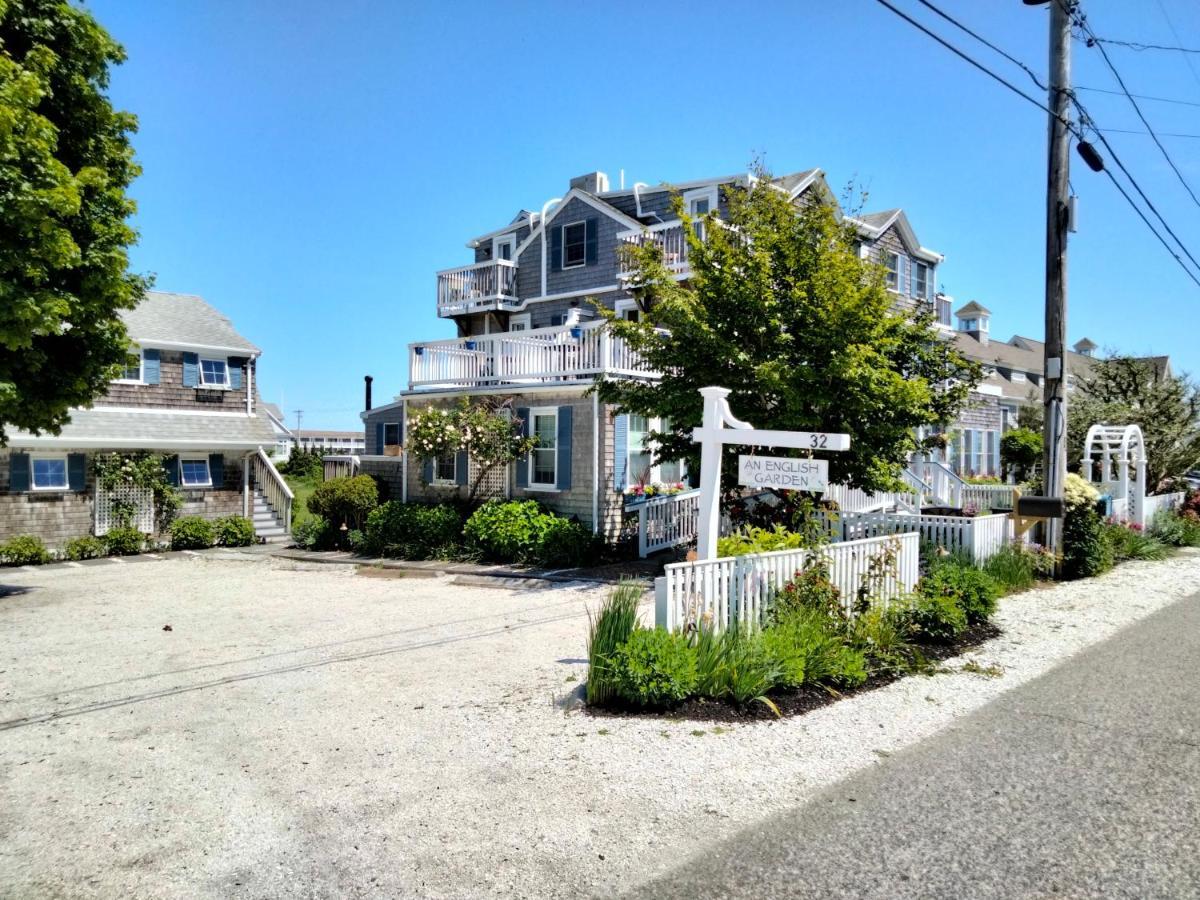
(1041, 507)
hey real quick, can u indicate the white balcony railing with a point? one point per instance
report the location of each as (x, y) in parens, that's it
(669, 236)
(483, 286)
(567, 353)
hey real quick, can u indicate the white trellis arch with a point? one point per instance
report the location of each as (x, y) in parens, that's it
(1119, 446)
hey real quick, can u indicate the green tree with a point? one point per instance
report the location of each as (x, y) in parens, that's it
(1021, 451)
(781, 309)
(65, 165)
(1128, 390)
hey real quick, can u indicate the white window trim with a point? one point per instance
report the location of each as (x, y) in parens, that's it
(709, 193)
(193, 485)
(498, 242)
(55, 489)
(215, 386)
(888, 254)
(927, 294)
(445, 482)
(534, 412)
(141, 379)
(562, 263)
(525, 319)
(653, 423)
(623, 306)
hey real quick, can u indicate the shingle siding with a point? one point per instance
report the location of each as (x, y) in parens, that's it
(376, 417)
(170, 392)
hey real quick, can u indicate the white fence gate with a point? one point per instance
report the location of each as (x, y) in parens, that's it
(136, 502)
(739, 588)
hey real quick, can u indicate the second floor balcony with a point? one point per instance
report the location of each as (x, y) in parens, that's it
(671, 239)
(484, 286)
(563, 354)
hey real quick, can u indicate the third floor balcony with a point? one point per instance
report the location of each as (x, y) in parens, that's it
(484, 286)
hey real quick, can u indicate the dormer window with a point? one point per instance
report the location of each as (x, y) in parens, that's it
(504, 247)
(574, 238)
(131, 372)
(892, 262)
(214, 373)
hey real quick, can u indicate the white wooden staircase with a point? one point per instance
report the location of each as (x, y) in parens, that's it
(272, 510)
(267, 523)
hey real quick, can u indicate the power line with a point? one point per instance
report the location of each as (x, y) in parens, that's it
(1174, 134)
(1134, 45)
(964, 56)
(1081, 20)
(1171, 25)
(1012, 59)
(1080, 87)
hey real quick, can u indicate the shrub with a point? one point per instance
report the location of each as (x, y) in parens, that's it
(811, 588)
(1131, 542)
(608, 628)
(191, 533)
(24, 550)
(507, 531)
(883, 635)
(654, 668)
(972, 590)
(234, 531)
(313, 533)
(1086, 551)
(303, 464)
(345, 501)
(810, 648)
(125, 541)
(937, 618)
(1176, 529)
(1014, 567)
(1021, 450)
(566, 543)
(86, 547)
(753, 539)
(412, 530)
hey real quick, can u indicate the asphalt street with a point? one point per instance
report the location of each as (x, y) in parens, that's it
(1082, 783)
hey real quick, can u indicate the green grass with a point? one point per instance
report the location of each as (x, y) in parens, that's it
(302, 488)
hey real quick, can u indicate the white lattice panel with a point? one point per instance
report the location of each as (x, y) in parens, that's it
(494, 485)
(108, 505)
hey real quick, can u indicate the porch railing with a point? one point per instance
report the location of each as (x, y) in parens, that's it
(565, 353)
(667, 521)
(482, 286)
(274, 489)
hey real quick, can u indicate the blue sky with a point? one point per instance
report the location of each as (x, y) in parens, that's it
(310, 165)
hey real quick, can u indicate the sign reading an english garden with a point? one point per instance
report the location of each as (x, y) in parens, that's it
(784, 472)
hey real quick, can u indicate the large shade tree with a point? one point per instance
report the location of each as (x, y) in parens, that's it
(66, 164)
(781, 309)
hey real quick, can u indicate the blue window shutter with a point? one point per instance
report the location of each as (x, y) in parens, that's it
(563, 481)
(191, 369)
(427, 470)
(18, 472)
(523, 463)
(216, 469)
(234, 366)
(171, 464)
(591, 228)
(621, 452)
(77, 471)
(460, 468)
(555, 249)
(151, 367)
(379, 438)
(995, 453)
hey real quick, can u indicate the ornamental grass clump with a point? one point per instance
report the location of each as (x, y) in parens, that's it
(1131, 542)
(608, 628)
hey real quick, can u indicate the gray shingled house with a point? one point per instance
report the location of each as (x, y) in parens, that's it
(526, 332)
(189, 394)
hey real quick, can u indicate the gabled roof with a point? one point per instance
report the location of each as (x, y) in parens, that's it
(873, 225)
(973, 308)
(183, 320)
(591, 200)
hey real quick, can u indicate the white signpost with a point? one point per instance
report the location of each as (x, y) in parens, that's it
(720, 428)
(784, 472)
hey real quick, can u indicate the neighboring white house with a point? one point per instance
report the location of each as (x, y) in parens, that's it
(285, 441)
(331, 441)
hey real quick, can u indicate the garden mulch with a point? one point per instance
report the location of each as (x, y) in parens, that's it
(806, 699)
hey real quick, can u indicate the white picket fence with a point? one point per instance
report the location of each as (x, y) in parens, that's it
(1155, 503)
(981, 537)
(856, 500)
(667, 521)
(740, 588)
(988, 496)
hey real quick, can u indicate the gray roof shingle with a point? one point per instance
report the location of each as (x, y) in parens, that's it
(154, 430)
(176, 319)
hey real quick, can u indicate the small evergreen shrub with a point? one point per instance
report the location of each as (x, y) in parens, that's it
(608, 628)
(24, 550)
(412, 530)
(971, 589)
(234, 531)
(191, 533)
(937, 618)
(506, 531)
(85, 547)
(313, 533)
(566, 543)
(345, 501)
(655, 668)
(1086, 550)
(125, 541)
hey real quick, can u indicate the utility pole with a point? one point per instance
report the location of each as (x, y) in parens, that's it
(299, 418)
(1054, 393)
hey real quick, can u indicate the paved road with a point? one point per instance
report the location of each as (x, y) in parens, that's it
(1083, 783)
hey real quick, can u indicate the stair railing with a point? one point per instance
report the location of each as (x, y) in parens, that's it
(274, 488)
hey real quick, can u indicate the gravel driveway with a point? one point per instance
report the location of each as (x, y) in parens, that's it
(316, 733)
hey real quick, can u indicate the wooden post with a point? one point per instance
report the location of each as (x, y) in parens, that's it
(709, 521)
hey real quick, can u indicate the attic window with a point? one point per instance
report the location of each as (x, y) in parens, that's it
(921, 281)
(892, 262)
(574, 244)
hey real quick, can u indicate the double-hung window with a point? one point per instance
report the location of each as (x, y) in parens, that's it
(391, 434)
(194, 472)
(543, 460)
(445, 468)
(892, 262)
(48, 473)
(214, 373)
(574, 245)
(921, 281)
(131, 372)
